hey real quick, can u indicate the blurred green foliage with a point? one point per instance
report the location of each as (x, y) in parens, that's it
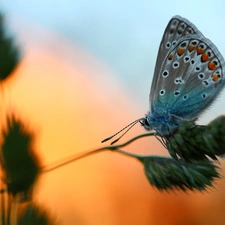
(9, 52)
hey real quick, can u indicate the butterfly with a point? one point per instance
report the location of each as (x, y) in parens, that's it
(188, 76)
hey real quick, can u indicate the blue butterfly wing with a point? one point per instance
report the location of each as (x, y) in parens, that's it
(189, 71)
(176, 29)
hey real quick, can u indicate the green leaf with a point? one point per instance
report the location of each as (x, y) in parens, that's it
(36, 216)
(169, 174)
(9, 52)
(20, 163)
(195, 143)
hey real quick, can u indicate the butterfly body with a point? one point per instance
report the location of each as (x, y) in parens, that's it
(188, 76)
(164, 122)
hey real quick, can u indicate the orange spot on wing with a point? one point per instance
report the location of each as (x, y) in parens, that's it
(191, 48)
(180, 51)
(212, 66)
(205, 57)
(215, 77)
(170, 56)
(200, 50)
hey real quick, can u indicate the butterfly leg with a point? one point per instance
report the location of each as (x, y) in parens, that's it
(160, 139)
(183, 119)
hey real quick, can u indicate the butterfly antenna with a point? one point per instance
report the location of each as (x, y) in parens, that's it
(129, 126)
(123, 133)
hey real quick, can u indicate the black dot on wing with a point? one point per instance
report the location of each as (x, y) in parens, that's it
(203, 95)
(215, 62)
(176, 65)
(162, 92)
(174, 43)
(185, 97)
(165, 73)
(205, 82)
(172, 31)
(201, 76)
(186, 58)
(174, 22)
(183, 45)
(189, 31)
(192, 61)
(168, 44)
(182, 25)
(176, 93)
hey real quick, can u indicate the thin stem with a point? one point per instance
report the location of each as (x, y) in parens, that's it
(2, 211)
(68, 160)
(130, 154)
(14, 210)
(73, 158)
(4, 205)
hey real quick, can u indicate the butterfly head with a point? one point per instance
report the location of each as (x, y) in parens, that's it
(164, 124)
(146, 123)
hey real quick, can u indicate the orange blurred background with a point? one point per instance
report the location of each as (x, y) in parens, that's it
(72, 106)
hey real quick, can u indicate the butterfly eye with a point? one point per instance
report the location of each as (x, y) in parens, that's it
(146, 122)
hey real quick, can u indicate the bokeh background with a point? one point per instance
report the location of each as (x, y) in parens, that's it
(86, 72)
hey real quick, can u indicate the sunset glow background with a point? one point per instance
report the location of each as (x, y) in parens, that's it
(85, 73)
